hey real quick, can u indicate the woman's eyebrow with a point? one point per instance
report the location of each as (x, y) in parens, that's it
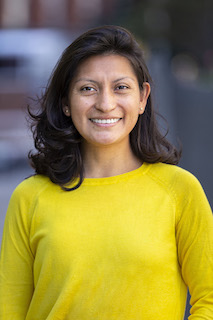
(85, 79)
(123, 78)
(94, 81)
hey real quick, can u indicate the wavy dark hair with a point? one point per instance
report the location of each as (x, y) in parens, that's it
(56, 139)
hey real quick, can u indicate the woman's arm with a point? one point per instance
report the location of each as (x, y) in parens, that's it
(16, 260)
(194, 234)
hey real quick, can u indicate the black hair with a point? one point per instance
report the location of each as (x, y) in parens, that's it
(56, 139)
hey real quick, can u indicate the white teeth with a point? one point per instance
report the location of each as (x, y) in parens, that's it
(105, 120)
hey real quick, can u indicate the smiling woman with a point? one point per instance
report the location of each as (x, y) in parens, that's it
(108, 228)
(103, 67)
(104, 103)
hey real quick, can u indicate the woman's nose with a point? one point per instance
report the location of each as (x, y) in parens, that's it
(106, 101)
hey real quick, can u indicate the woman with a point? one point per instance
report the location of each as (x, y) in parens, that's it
(108, 228)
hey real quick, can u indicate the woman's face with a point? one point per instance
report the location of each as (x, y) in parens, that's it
(105, 100)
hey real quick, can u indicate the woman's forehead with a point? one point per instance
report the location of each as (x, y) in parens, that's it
(110, 63)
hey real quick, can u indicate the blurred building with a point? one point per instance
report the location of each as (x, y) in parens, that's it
(32, 36)
(53, 13)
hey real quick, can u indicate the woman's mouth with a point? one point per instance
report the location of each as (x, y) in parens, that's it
(105, 121)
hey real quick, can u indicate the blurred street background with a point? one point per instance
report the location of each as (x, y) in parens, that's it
(177, 37)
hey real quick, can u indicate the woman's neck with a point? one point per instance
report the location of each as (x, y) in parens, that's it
(107, 161)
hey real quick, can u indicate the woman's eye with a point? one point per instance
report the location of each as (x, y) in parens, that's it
(87, 89)
(121, 87)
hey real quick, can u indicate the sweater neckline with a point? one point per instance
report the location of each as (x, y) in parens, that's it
(117, 178)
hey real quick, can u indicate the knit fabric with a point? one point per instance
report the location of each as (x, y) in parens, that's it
(119, 248)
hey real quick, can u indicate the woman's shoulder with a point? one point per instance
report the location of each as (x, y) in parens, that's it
(31, 186)
(25, 195)
(181, 185)
(35, 181)
(173, 176)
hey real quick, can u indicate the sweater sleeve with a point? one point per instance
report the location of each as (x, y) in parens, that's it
(16, 260)
(194, 234)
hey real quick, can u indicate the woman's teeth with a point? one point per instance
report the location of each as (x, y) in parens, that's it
(105, 120)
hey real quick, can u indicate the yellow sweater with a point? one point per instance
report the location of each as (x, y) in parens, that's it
(118, 248)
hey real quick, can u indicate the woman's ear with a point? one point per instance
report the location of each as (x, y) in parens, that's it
(145, 92)
(66, 108)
